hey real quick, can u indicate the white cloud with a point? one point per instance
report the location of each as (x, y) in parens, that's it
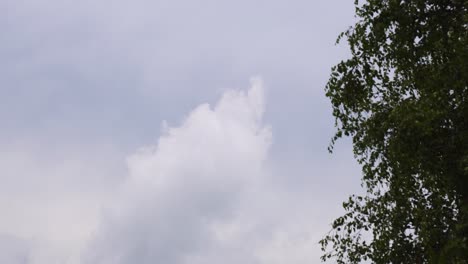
(206, 193)
(191, 182)
(203, 195)
(80, 76)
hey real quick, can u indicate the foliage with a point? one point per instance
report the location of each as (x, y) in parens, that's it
(403, 98)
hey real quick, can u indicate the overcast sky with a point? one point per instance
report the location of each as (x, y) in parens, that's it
(171, 132)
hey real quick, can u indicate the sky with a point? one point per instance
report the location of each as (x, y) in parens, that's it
(173, 132)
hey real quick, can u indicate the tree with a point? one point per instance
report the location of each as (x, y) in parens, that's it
(402, 97)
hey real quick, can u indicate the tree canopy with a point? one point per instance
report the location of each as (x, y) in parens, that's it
(402, 97)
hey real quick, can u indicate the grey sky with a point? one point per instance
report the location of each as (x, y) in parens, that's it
(85, 84)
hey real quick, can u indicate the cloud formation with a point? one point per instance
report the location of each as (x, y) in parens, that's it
(87, 82)
(204, 195)
(181, 194)
(207, 192)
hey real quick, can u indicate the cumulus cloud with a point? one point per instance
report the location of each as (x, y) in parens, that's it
(205, 193)
(182, 193)
(87, 82)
